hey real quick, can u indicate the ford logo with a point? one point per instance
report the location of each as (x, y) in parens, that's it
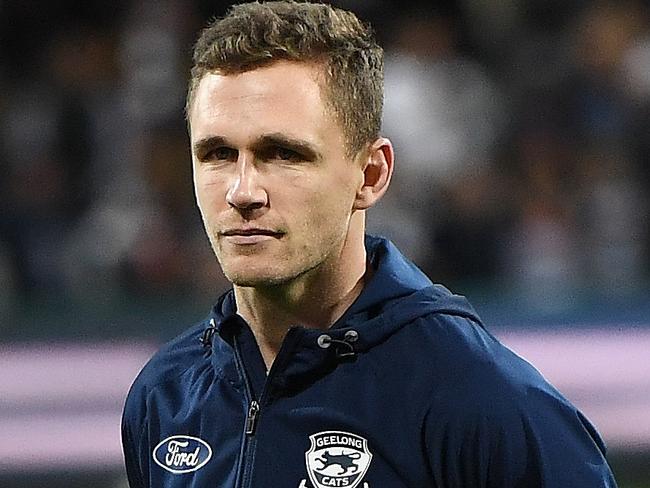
(180, 454)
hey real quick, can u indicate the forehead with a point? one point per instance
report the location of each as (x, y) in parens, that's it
(282, 97)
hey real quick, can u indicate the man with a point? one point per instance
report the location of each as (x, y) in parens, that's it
(333, 361)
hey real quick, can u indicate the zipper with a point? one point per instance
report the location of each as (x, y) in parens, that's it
(248, 439)
(251, 418)
(254, 407)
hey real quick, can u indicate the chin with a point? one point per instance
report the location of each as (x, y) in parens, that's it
(262, 273)
(250, 279)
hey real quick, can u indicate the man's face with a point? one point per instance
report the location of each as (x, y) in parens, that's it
(274, 185)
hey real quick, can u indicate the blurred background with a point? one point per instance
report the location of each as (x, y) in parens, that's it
(522, 131)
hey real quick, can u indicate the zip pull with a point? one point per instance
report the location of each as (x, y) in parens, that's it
(251, 419)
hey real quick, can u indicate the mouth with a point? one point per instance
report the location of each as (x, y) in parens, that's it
(250, 236)
(250, 232)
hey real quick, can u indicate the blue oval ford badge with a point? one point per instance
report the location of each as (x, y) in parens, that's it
(180, 454)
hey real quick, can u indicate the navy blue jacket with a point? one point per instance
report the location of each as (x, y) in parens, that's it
(407, 389)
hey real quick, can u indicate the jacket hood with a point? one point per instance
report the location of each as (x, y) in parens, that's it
(397, 293)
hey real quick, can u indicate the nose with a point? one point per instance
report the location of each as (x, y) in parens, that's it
(245, 191)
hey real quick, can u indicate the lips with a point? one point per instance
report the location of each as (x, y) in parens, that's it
(250, 237)
(250, 232)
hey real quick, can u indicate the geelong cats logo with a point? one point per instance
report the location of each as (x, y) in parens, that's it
(180, 454)
(337, 459)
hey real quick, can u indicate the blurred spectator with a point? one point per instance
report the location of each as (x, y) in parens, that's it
(442, 112)
(541, 251)
(614, 210)
(47, 146)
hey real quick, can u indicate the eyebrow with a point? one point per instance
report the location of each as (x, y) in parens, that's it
(202, 146)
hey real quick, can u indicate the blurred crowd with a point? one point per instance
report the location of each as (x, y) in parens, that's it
(522, 131)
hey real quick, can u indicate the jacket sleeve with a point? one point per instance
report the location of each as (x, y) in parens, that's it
(133, 440)
(530, 438)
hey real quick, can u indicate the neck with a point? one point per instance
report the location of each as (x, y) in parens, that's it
(316, 299)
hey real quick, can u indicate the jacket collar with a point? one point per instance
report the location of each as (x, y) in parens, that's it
(397, 294)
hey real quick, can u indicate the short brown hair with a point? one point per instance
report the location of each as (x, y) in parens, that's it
(255, 34)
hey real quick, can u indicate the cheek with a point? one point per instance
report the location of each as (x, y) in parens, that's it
(339, 193)
(330, 208)
(210, 193)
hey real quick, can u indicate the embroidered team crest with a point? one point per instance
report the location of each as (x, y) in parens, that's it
(337, 459)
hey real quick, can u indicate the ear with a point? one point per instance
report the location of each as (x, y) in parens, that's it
(377, 172)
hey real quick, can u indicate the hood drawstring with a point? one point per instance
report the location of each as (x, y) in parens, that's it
(344, 348)
(208, 334)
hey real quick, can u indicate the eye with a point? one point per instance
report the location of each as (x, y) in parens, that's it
(221, 154)
(283, 154)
